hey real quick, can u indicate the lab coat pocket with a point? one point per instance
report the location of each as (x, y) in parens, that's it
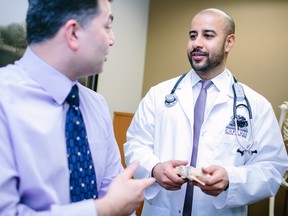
(226, 150)
(149, 209)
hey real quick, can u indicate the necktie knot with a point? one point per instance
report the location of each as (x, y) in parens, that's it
(206, 84)
(73, 97)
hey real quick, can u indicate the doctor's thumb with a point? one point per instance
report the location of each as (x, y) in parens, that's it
(176, 163)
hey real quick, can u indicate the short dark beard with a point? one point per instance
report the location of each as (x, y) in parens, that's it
(211, 63)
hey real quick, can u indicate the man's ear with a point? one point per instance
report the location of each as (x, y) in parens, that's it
(230, 40)
(71, 31)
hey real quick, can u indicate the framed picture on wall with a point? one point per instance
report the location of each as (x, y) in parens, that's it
(90, 81)
(12, 30)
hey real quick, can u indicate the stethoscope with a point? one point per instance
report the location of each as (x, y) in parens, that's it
(239, 95)
(171, 99)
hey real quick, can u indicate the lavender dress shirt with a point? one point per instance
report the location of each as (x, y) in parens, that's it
(34, 178)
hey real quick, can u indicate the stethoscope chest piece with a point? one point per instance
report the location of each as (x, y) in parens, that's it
(170, 100)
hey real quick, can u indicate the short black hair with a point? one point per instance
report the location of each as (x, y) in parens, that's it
(45, 17)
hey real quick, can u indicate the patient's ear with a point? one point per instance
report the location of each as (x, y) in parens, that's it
(71, 29)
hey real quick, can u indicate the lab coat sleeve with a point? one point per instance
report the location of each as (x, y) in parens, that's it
(260, 177)
(139, 145)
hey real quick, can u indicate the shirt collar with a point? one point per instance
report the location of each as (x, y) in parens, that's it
(219, 81)
(51, 80)
(194, 79)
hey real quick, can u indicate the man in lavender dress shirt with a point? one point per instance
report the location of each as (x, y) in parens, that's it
(67, 39)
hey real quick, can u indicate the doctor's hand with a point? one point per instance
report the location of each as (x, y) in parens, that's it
(216, 183)
(165, 175)
(125, 194)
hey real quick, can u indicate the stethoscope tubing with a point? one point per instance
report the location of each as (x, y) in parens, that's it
(171, 100)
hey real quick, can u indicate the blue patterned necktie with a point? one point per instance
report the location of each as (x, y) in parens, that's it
(82, 174)
(199, 110)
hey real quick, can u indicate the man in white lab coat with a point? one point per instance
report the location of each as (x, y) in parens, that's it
(243, 169)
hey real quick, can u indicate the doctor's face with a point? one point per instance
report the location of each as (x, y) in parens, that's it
(207, 41)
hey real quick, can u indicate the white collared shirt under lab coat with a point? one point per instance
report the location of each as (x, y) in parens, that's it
(159, 133)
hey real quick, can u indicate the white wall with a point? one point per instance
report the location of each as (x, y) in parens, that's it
(122, 78)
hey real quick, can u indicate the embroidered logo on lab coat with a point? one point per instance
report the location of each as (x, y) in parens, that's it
(242, 126)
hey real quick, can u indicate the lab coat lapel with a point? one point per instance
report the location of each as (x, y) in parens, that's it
(225, 94)
(185, 97)
(223, 97)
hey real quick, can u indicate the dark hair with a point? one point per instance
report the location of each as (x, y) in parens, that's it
(45, 17)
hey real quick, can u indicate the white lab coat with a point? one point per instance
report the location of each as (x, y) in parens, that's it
(159, 133)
